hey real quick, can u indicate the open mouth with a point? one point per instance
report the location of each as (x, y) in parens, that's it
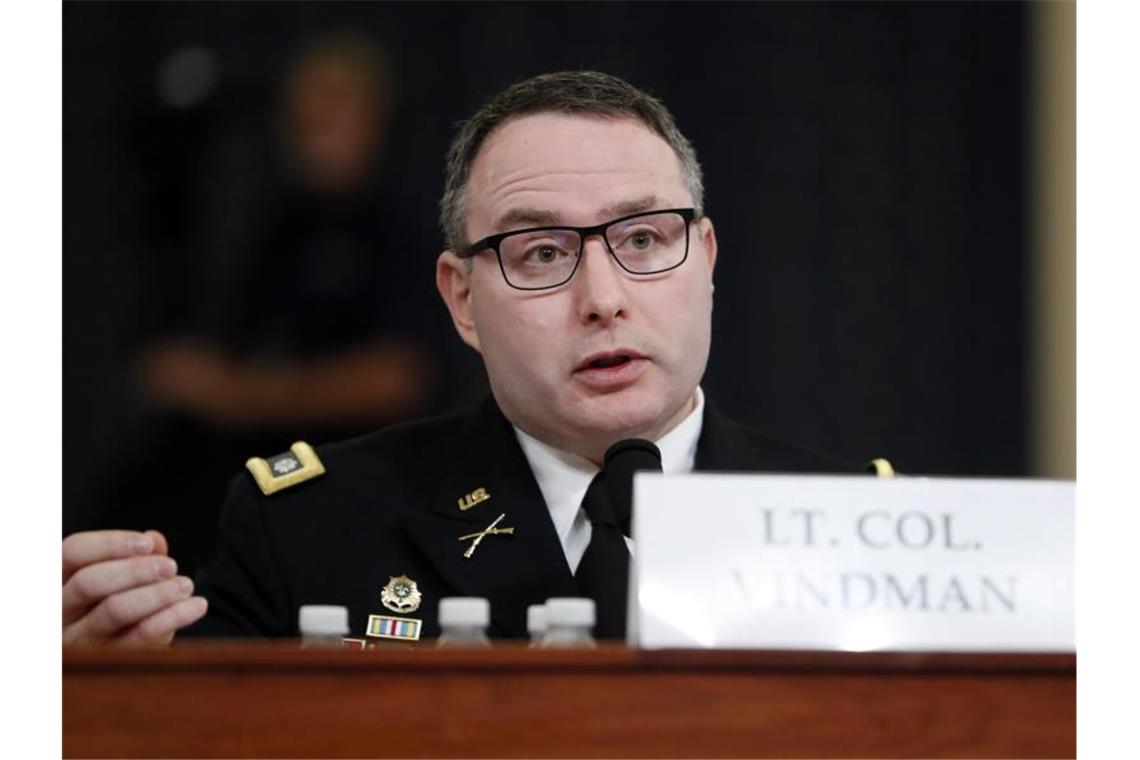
(612, 370)
(609, 360)
(606, 362)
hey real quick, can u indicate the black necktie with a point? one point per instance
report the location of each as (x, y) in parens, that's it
(603, 573)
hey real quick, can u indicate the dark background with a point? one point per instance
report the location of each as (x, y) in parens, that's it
(864, 166)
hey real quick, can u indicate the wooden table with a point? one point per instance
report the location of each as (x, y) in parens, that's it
(272, 699)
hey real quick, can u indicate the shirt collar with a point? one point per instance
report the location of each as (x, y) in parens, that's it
(563, 477)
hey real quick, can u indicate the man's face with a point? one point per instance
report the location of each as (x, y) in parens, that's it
(608, 355)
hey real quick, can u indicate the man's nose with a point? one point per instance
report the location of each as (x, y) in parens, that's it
(599, 282)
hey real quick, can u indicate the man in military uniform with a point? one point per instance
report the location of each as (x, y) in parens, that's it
(580, 266)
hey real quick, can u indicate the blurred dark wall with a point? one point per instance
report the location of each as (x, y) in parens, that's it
(863, 164)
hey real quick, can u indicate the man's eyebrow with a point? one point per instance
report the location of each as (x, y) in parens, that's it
(517, 218)
(635, 206)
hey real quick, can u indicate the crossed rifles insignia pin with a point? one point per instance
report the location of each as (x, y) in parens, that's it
(477, 537)
(466, 502)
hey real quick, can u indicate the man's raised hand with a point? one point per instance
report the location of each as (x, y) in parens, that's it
(120, 587)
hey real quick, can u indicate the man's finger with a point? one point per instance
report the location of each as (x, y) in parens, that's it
(159, 542)
(159, 628)
(92, 584)
(126, 608)
(88, 547)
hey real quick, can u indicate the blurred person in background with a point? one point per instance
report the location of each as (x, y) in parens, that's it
(318, 326)
(317, 329)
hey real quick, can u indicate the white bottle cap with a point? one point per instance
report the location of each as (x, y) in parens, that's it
(464, 610)
(323, 620)
(569, 611)
(536, 619)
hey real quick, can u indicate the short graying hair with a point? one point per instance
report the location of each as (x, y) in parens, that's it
(572, 92)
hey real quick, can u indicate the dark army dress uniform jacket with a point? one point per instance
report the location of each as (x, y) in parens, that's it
(388, 505)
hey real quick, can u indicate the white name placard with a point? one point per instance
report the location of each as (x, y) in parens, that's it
(852, 563)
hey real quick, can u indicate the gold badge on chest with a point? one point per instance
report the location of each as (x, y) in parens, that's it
(401, 594)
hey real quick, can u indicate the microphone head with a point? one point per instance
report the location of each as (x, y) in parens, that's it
(620, 462)
(640, 453)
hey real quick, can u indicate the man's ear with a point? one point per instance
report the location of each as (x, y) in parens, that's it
(707, 235)
(453, 280)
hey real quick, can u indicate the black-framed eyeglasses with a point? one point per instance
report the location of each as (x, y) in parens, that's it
(537, 258)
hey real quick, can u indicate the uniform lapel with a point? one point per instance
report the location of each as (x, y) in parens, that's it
(512, 571)
(728, 446)
(723, 445)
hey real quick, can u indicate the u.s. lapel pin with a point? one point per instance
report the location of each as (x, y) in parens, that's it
(491, 530)
(478, 496)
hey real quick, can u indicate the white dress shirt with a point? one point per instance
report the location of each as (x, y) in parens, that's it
(564, 477)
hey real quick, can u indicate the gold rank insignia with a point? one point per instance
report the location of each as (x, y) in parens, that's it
(298, 464)
(401, 595)
(881, 467)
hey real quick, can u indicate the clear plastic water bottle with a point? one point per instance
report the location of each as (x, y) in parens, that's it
(322, 625)
(569, 623)
(463, 621)
(536, 623)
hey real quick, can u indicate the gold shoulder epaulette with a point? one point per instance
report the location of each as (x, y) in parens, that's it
(881, 467)
(298, 464)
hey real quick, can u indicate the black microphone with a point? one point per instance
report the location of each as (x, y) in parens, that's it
(620, 462)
